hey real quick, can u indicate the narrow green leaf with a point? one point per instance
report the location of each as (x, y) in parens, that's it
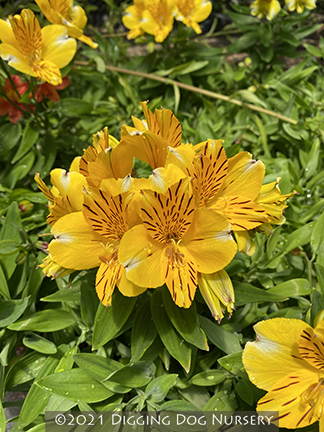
(244, 390)
(4, 289)
(224, 340)
(74, 106)
(38, 343)
(10, 343)
(246, 293)
(29, 138)
(158, 388)
(173, 342)
(143, 331)
(178, 405)
(317, 237)
(75, 385)
(208, 378)
(64, 295)
(109, 320)
(292, 288)
(263, 135)
(24, 370)
(222, 401)
(46, 320)
(319, 269)
(185, 321)
(9, 136)
(134, 375)
(11, 310)
(232, 363)
(8, 247)
(9, 231)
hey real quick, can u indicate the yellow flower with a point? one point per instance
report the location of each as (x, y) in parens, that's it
(175, 242)
(91, 238)
(299, 5)
(192, 12)
(273, 203)
(34, 51)
(133, 18)
(52, 269)
(287, 360)
(72, 17)
(158, 18)
(106, 158)
(270, 8)
(150, 139)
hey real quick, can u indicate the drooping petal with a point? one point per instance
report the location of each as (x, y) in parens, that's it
(76, 245)
(57, 47)
(70, 184)
(245, 243)
(221, 286)
(106, 279)
(209, 242)
(142, 258)
(79, 17)
(276, 345)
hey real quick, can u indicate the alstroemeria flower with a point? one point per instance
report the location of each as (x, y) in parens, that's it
(269, 8)
(150, 139)
(50, 91)
(91, 238)
(72, 17)
(133, 18)
(192, 12)
(34, 51)
(273, 203)
(158, 18)
(7, 108)
(175, 242)
(299, 5)
(287, 360)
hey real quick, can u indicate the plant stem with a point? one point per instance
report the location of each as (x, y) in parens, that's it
(197, 90)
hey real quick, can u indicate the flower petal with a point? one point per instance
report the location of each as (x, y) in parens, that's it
(76, 245)
(57, 48)
(276, 345)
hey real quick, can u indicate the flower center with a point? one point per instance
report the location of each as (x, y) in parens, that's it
(313, 397)
(174, 257)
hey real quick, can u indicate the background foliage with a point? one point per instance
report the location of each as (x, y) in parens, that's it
(57, 342)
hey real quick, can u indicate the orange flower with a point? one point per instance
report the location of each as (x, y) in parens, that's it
(7, 108)
(50, 92)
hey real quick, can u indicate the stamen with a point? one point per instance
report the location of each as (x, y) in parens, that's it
(314, 397)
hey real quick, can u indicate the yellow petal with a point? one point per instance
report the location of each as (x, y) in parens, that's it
(76, 245)
(79, 17)
(106, 279)
(127, 288)
(48, 71)
(75, 165)
(202, 10)
(209, 241)
(70, 184)
(276, 345)
(183, 157)
(16, 59)
(160, 179)
(52, 269)
(85, 39)
(221, 285)
(42, 186)
(311, 348)
(7, 35)
(27, 32)
(210, 298)
(284, 397)
(244, 242)
(142, 258)
(57, 48)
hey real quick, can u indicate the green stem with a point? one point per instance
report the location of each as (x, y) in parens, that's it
(197, 90)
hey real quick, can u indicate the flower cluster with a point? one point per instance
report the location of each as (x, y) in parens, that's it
(42, 52)
(156, 17)
(172, 228)
(271, 8)
(294, 353)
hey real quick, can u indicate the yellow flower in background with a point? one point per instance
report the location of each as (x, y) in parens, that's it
(158, 17)
(269, 8)
(299, 5)
(175, 242)
(133, 18)
(38, 52)
(287, 360)
(192, 12)
(65, 13)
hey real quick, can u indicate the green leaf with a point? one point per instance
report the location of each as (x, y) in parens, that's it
(74, 106)
(4, 289)
(208, 378)
(317, 237)
(263, 135)
(292, 288)
(5, 355)
(100, 368)
(222, 401)
(38, 343)
(109, 320)
(317, 304)
(251, 97)
(29, 138)
(176, 346)
(143, 331)
(319, 269)
(134, 375)
(244, 390)
(89, 304)
(9, 136)
(10, 231)
(24, 369)
(232, 363)
(44, 321)
(158, 388)
(64, 295)
(8, 247)
(75, 385)
(185, 321)
(246, 293)
(178, 406)
(11, 310)
(224, 340)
